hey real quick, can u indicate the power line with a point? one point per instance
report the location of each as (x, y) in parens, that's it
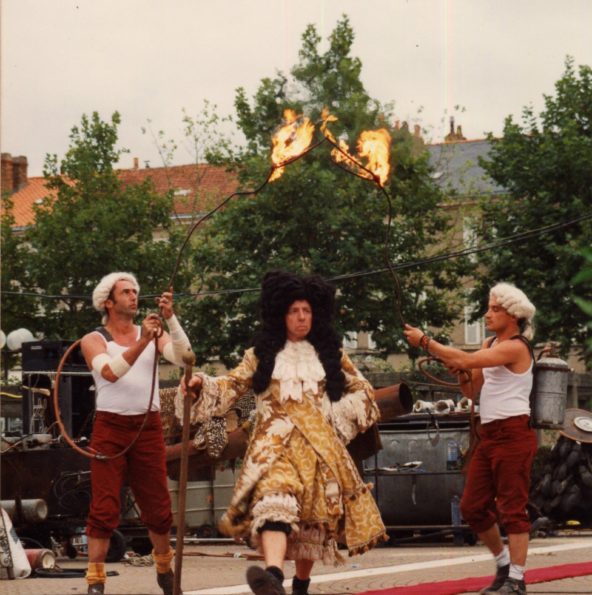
(508, 240)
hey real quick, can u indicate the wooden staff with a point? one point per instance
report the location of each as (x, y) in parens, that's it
(189, 361)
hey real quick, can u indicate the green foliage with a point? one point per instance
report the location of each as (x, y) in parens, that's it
(318, 218)
(546, 164)
(17, 311)
(584, 278)
(92, 225)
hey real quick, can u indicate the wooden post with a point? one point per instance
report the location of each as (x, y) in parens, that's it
(189, 360)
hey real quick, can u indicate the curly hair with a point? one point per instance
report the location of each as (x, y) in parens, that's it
(516, 304)
(279, 291)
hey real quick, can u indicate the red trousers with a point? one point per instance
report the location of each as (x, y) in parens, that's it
(499, 476)
(143, 466)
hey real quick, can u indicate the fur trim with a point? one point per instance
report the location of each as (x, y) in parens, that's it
(298, 369)
(349, 415)
(313, 543)
(275, 507)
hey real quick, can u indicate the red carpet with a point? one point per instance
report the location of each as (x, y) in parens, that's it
(466, 585)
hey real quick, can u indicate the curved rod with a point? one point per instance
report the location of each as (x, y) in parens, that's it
(90, 452)
(374, 178)
(427, 360)
(227, 199)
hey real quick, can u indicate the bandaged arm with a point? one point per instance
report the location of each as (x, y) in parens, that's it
(117, 364)
(179, 344)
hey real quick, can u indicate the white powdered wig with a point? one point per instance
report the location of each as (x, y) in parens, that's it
(103, 289)
(515, 302)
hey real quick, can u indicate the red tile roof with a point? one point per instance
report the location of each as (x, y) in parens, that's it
(23, 200)
(196, 188)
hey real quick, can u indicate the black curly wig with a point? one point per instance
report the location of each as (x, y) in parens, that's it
(279, 291)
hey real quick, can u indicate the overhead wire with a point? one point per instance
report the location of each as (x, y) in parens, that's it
(505, 241)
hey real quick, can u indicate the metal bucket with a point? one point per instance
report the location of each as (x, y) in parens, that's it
(551, 379)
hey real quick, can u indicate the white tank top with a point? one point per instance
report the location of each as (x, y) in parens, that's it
(130, 394)
(504, 393)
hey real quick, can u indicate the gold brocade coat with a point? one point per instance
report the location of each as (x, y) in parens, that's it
(352, 514)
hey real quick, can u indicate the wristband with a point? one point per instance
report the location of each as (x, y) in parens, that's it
(424, 343)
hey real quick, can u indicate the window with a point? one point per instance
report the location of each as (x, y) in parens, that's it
(474, 331)
(350, 341)
(470, 237)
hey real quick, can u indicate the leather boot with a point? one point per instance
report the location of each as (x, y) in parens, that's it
(263, 582)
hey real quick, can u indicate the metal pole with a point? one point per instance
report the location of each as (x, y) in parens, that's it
(189, 360)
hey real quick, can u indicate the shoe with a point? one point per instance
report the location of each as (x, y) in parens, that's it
(511, 586)
(299, 586)
(500, 576)
(263, 582)
(166, 581)
(96, 589)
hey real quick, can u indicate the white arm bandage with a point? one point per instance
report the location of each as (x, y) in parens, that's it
(117, 364)
(179, 344)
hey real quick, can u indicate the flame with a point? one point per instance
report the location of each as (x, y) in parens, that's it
(373, 146)
(289, 141)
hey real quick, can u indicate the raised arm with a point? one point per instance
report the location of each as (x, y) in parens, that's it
(175, 345)
(94, 350)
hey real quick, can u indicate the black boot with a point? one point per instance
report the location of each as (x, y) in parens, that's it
(263, 582)
(511, 586)
(96, 589)
(300, 586)
(166, 581)
(500, 576)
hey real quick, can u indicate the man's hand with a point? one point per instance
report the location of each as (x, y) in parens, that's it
(413, 335)
(151, 326)
(165, 303)
(195, 385)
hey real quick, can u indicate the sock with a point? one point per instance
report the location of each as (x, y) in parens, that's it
(517, 572)
(277, 572)
(95, 573)
(301, 584)
(163, 561)
(503, 558)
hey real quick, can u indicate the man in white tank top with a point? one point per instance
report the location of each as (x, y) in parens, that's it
(498, 479)
(121, 357)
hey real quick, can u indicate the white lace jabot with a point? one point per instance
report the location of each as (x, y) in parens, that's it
(298, 369)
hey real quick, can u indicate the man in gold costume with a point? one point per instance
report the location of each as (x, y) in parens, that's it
(299, 492)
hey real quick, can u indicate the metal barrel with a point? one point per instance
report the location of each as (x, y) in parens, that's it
(393, 401)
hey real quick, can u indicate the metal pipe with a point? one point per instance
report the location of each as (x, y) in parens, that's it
(29, 511)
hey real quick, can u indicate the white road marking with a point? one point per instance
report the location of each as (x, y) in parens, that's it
(342, 576)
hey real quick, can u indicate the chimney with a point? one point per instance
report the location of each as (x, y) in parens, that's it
(454, 136)
(417, 131)
(136, 163)
(19, 172)
(6, 176)
(14, 173)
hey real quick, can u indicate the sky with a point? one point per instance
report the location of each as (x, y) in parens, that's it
(478, 60)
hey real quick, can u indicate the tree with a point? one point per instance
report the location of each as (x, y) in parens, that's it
(546, 164)
(318, 218)
(18, 311)
(90, 225)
